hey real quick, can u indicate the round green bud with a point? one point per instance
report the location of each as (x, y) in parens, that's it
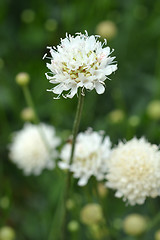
(116, 116)
(134, 121)
(153, 109)
(134, 224)
(28, 16)
(157, 235)
(91, 214)
(7, 233)
(73, 226)
(22, 78)
(106, 29)
(117, 223)
(70, 204)
(51, 25)
(27, 114)
(4, 202)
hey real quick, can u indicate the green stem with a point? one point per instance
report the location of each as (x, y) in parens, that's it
(154, 221)
(68, 175)
(76, 123)
(30, 103)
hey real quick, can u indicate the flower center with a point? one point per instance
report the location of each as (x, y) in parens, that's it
(83, 68)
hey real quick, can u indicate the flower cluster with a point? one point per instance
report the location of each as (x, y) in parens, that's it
(34, 148)
(91, 153)
(79, 61)
(134, 171)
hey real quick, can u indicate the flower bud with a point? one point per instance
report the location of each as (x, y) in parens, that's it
(70, 204)
(98, 232)
(28, 16)
(27, 114)
(22, 78)
(7, 233)
(73, 226)
(116, 116)
(51, 25)
(4, 202)
(106, 29)
(153, 109)
(134, 121)
(134, 224)
(157, 235)
(91, 214)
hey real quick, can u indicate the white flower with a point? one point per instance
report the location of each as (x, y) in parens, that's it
(33, 148)
(79, 61)
(91, 153)
(134, 171)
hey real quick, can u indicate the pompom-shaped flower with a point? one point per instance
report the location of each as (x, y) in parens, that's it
(33, 148)
(79, 61)
(91, 153)
(134, 171)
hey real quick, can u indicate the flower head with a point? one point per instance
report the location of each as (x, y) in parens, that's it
(79, 61)
(91, 153)
(33, 148)
(134, 171)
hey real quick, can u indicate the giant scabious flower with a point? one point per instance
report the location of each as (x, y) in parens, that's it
(79, 61)
(134, 171)
(34, 148)
(92, 150)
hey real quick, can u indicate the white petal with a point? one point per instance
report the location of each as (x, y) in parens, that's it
(72, 92)
(110, 69)
(88, 85)
(63, 165)
(58, 89)
(82, 181)
(99, 88)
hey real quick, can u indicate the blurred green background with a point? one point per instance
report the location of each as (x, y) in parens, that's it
(129, 107)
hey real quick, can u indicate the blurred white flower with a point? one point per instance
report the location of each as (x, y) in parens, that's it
(33, 148)
(79, 61)
(134, 171)
(91, 153)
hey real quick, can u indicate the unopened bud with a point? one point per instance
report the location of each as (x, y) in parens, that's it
(134, 224)
(22, 78)
(116, 116)
(70, 204)
(157, 235)
(28, 15)
(106, 29)
(7, 233)
(4, 202)
(153, 109)
(51, 25)
(134, 121)
(91, 214)
(73, 226)
(27, 114)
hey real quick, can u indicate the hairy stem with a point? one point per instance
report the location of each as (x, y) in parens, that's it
(68, 175)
